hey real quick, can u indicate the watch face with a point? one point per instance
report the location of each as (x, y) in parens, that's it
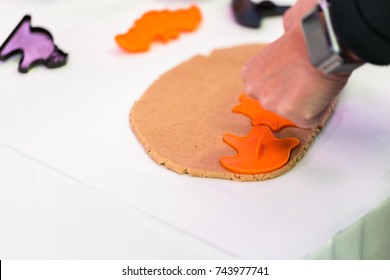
(322, 44)
(318, 43)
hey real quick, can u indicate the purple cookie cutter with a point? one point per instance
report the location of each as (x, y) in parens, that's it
(36, 45)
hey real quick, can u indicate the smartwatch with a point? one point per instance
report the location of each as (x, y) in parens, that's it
(325, 50)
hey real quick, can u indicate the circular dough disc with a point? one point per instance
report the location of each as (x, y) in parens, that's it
(182, 118)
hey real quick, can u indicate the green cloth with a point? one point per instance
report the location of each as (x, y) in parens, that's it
(368, 239)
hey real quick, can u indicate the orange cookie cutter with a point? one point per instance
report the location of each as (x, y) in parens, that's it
(160, 26)
(252, 108)
(260, 151)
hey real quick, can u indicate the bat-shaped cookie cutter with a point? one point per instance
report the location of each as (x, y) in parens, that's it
(35, 44)
(250, 14)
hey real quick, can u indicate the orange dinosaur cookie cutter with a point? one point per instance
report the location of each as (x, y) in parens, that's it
(260, 151)
(160, 26)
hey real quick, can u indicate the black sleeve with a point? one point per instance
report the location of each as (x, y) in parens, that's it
(363, 26)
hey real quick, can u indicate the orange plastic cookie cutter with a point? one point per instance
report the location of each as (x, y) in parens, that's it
(252, 108)
(258, 152)
(161, 26)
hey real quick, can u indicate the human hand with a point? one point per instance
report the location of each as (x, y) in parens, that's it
(295, 14)
(282, 78)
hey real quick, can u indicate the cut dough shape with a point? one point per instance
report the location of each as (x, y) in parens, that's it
(182, 117)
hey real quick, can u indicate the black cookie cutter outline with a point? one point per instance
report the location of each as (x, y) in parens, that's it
(250, 14)
(20, 51)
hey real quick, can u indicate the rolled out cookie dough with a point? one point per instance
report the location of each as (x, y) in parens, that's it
(182, 117)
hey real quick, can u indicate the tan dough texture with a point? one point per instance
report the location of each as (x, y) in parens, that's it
(182, 118)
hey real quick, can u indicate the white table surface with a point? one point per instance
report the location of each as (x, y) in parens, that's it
(75, 182)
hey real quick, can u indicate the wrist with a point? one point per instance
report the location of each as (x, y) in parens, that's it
(325, 50)
(314, 74)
